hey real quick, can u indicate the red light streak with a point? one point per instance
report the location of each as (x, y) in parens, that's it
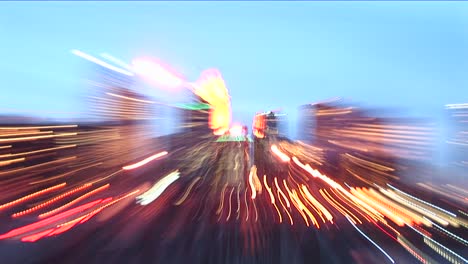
(31, 227)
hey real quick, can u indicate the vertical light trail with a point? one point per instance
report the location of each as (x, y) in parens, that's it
(282, 194)
(307, 202)
(246, 206)
(284, 207)
(238, 202)
(317, 203)
(252, 186)
(230, 197)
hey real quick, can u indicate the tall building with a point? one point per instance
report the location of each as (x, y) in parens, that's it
(123, 115)
(195, 116)
(306, 123)
(458, 137)
(376, 149)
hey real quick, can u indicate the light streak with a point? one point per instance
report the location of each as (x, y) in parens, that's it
(36, 151)
(437, 243)
(335, 204)
(155, 191)
(116, 61)
(9, 162)
(272, 198)
(463, 241)
(298, 208)
(252, 186)
(280, 154)
(61, 228)
(284, 207)
(156, 72)
(281, 192)
(130, 98)
(416, 207)
(84, 196)
(45, 164)
(145, 161)
(279, 214)
(351, 204)
(49, 202)
(424, 202)
(305, 209)
(382, 209)
(255, 209)
(238, 201)
(100, 62)
(230, 196)
(246, 206)
(317, 204)
(65, 174)
(186, 194)
(37, 127)
(36, 137)
(44, 222)
(37, 236)
(375, 244)
(221, 199)
(406, 245)
(307, 202)
(30, 196)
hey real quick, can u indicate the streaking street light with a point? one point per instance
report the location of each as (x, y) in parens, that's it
(100, 62)
(157, 73)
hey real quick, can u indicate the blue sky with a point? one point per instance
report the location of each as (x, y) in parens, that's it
(411, 55)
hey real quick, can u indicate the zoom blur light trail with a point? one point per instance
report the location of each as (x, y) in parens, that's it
(145, 161)
(280, 154)
(157, 189)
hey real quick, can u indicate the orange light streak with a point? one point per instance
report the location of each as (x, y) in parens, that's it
(304, 208)
(339, 207)
(284, 207)
(361, 195)
(268, 189)
(84, 196)
(311, 198)
(280, 154)
(30, 196)
(281, 192)
(352, 204)
(319, 213)
(51, 201)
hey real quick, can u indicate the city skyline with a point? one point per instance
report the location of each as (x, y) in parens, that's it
(271, 54)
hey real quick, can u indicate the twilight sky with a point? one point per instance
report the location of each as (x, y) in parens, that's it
(411, 55)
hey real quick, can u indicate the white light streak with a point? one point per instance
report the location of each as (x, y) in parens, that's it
(375, 244)
(100, 62)
(157, 189)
